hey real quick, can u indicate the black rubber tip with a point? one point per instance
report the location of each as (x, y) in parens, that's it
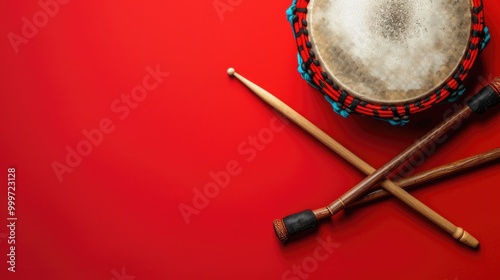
(484, 100)
(300, 222)
(292, 225)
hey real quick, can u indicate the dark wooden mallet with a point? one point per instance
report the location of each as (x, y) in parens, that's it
(479, 104)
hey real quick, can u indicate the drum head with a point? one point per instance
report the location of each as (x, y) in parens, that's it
(390, 51)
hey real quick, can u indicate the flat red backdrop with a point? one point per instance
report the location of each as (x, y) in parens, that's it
(114, 213)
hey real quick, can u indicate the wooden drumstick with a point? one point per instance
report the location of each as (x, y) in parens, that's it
(433, 174)
(294, 224)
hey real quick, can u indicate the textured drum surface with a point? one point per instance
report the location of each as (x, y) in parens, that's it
(389, 51)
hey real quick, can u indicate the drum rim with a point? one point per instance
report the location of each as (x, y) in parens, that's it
(312, 70)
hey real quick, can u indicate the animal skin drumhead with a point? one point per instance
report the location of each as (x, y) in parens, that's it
(389, 51)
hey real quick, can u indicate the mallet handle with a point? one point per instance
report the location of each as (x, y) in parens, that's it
(432, 174)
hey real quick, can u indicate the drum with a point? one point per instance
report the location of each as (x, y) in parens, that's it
(387, 59)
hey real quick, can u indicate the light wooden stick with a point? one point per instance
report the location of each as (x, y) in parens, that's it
(300, 221)
(430, 175)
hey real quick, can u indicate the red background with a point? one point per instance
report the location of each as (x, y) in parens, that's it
(116, 215)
